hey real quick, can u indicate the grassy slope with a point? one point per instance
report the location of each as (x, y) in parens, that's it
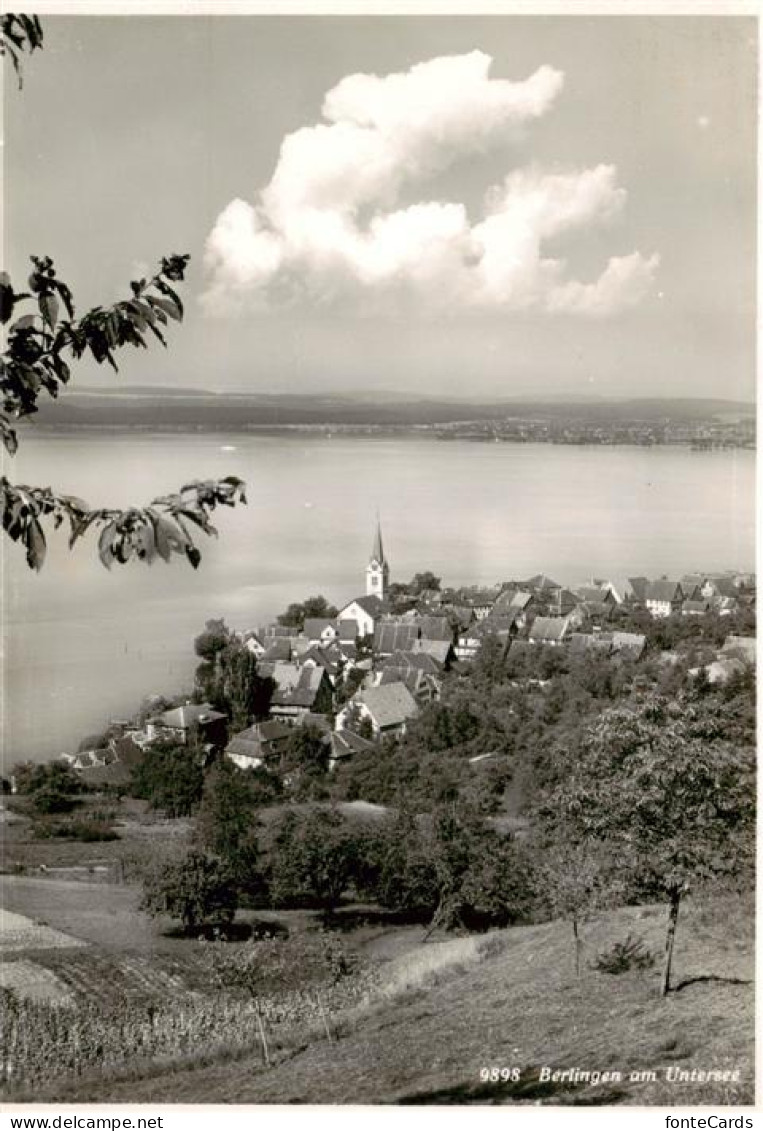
(521, 1004)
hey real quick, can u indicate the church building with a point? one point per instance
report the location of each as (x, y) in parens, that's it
(377, 570)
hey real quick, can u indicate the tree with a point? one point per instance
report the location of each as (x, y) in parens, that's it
(246, 694)
(423, 581)
(227, 676)
(41, 343)
(196, 889)
(313, 608)
(312, 858)
(673, 804)
(51, 787)
(171, 778)
(19, 33)
(227, 825)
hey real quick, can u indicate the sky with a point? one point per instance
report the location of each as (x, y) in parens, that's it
(490, 206)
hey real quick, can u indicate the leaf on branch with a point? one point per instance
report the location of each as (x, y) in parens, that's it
(49, 309)
(105, 541)
(35, 545)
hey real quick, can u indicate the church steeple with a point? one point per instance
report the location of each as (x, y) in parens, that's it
(377, 570)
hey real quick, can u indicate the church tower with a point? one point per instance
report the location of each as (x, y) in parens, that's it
(377, 570)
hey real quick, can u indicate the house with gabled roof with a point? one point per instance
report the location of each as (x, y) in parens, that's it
(435, 628)
(540, 582)
(319, 630)
(347, 631)
(621, 589)
(441, 650)
(365, 611)
(695, 608)
(663, 597)
(389, 708)
(394, 636)
(268, 631)
(188, 725)
(300, 689)
(279, 649)
(549, 630)
(639, 586)
(259, 745)
(346, 743)
(253, 643)
(628, 644)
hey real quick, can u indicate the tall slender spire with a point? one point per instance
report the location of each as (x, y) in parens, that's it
(377, 570)
(377, 554)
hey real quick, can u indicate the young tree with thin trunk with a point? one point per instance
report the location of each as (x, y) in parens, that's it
(670, 802)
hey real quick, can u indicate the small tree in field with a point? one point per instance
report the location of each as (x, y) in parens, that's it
(671, 805)
(197, 889)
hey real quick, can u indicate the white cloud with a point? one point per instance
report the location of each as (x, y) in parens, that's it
(326, 226)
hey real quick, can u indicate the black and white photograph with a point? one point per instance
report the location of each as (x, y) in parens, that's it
(378, 560)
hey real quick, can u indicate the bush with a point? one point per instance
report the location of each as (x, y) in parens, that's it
(631, 954)
(84, 830)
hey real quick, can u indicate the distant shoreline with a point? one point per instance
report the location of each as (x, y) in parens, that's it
(438, 432)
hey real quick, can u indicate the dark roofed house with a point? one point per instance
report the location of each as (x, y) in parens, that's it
(299, 690)
(514, 598)
(594, 594)
(278, 649)
(436, 628)
(187, 725)
(481, 601)
(722, 585)
(558, 602)
(596, 611)
(695, 608)
(663, 597)
(348, 631)
(319, 630)
(639, 587)
(621, 589)
(442, 650)
(282, 630)
(394, 636)
(541, 581)
(421, 661)
(258, 745)
(549, 630)
(345, 743)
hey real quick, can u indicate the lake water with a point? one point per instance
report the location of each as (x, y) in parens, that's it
(83, 644)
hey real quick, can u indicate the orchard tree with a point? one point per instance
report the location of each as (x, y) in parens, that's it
(227, 826)
(170, 778)
(313, 856)
(196, 889)
(673, 803)
(43, 336)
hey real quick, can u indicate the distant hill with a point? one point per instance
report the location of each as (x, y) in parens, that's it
(149, 408)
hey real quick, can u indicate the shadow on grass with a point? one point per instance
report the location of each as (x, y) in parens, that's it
(350, 918)
(231, 932)
(702, 978)
(529, 1089)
